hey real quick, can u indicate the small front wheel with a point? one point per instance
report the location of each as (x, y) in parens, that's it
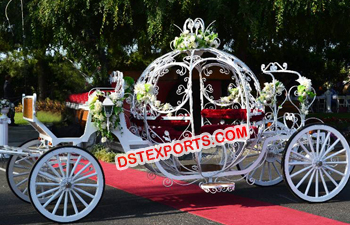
(320, 156)
(73, 184)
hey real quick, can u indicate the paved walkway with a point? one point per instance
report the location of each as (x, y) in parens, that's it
(21, 134)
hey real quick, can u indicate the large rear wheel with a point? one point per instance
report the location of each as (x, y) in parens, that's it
(320, 155)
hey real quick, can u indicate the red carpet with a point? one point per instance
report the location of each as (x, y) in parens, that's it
(223, 208)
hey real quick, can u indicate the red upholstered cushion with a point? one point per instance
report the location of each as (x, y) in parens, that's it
(240, 114)
(212, 128)
(81, 98)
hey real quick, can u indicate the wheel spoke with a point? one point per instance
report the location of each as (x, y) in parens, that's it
(84, 192)
(330, 148)
(60, 164)
(304, 149)
(81, 170)
(318, 143)
(48, 191)
(46, 184)
(330, 178)
(48, 176)
(298, 163)
(269, 170)
(65, 204)
(325, 143)
(73, 202)
(53, 170)
(335, 162)
(80, 198)
(278, 172)
(22, 182)
(85, 177)
(21, 174)
(334, 154)
(310, 143)
(305, 176)
(75, 166)
(25, 191)
(300, 155)
(57, 203)
(68, 165)
(316, 184)
(25, 160)
(54, 196)
(21, 167)
(334, 170)
(324, 183)
(309, 183)
(86, 185)
(262, 171)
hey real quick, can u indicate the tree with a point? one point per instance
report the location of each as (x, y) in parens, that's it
(100, 36)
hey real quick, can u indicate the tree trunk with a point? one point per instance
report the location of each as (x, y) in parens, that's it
(40, 69)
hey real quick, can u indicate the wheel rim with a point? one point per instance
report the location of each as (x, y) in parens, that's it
(74, 188)
(320, 155)
(18, 170)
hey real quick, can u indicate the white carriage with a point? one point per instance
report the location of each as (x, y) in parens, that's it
(65, 182)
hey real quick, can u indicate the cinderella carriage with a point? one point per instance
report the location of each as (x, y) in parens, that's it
(177, 97)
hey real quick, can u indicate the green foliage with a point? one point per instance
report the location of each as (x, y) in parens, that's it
(44, 117)
(103, 154)
(104, 35)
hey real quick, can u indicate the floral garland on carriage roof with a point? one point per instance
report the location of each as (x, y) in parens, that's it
(194, 36)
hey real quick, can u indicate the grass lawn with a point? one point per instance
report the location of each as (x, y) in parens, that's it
(45, 117)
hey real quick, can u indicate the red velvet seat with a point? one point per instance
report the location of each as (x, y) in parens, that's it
(159, 121)
(174, 134)
(236, 114)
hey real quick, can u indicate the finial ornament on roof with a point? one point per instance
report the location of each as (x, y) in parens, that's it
(194, 35)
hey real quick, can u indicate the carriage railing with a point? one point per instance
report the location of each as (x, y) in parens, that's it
(298, 119)
(29, 114)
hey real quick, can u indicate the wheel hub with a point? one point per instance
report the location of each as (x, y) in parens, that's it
(319, 163)
(66, 184)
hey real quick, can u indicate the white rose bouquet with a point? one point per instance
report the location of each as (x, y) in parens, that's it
(145, 94)
(304, 91)
(99, 115)
(270, 91)
(4, 103)
(232, 97)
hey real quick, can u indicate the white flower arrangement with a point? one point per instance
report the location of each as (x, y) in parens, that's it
(200, 38)
(304, 91)
(270, 91)
(4, 103)
(99, 115)
(145, 94)
(232, 97)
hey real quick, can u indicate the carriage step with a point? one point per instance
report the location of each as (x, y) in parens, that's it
(218, 187)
